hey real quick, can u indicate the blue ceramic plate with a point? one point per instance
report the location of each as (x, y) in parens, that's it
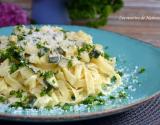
(132, 55)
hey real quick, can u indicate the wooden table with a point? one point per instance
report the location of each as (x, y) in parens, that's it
(146, 30)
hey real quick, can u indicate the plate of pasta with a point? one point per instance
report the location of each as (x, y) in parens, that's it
(67, 73)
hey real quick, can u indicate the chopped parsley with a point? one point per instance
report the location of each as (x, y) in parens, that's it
(13, 67)
(19, 27)
(20, 37)
(49, 83)
(48, 80)
(22, 104)
(17, 94)
(47, 89)
(43, 92)
(113, 79)
(93, 53)
(14, 52)
(120, 73)
(15, 55)
(106, 56)
(93, 100)
(78, 57)
(2, 99)
(66, 106)
(17, 104)
(70, 64)
(112, 97)
(47, 74)
(41, 44)
(3, 55)
(126, 87)
(122, 94)
(25, 100)
(86, 47)
(42, 48)
(141, 70)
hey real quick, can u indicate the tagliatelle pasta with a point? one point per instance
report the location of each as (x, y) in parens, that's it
(48, 66)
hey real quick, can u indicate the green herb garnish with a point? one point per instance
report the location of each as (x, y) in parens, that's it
(17, 104)
(19, 27)
(47, 79)
(41, 44)
(17, 94)
(93, 100)
(122, 94)
(15, 54)
(43, 92)
(2, 99)
(20, 37)
(86, 47)
(69, 64)
(93, 53)
(113, 79)
(78, 57)
(42, 49)
(141, 70)
(106, 56)
(120, 73)
(13, 68)
(47, 74)
(3, 55)
(112, 97)
(66, 106)
(126, 87)
(26, 101)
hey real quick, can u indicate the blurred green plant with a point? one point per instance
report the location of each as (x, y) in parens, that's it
(93, 12)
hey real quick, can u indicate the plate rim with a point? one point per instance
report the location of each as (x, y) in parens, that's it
(86, 115)
(77, 117)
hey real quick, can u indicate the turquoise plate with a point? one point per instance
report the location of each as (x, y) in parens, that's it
(131, 55)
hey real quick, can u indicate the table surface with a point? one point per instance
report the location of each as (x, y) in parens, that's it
(146, 30)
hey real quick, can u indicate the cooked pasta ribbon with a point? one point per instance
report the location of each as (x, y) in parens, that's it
(53, 66)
